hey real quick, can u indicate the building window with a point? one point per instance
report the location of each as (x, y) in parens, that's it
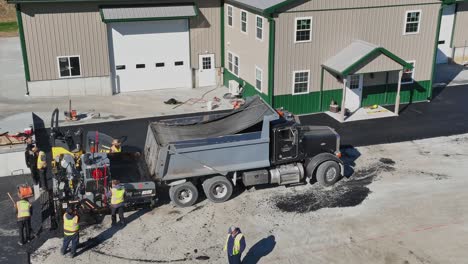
(303, 29)
(412, 21)
(230, 16)
(408, 75)
(259, 27)
(179, 63)
(354, 81)
(206, 63)
(258, 78)
(243, 21)
(69, 66)
(160, 64)
(233, 63)
(301, 82)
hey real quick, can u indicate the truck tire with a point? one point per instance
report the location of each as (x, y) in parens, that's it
(183, 195)
(328, 173)
(218, 189)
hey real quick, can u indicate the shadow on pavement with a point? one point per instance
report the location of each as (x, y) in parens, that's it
(108, 233)
(261, 249)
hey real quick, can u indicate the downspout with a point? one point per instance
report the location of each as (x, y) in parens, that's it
(429, 93)
(23, 47)
(321, 91)
(271, 61)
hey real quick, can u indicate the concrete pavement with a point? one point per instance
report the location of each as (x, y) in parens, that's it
(14, 103)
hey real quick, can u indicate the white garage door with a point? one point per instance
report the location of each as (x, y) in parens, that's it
(150, 55)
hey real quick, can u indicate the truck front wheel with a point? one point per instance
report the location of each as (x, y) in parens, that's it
(183, 195)
(218, 189)
(328, 173)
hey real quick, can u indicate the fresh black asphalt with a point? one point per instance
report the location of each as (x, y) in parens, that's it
(446, 115)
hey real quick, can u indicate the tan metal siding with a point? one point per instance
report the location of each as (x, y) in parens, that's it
(379, 64)
(334, 30)
(205, 31)
(340, 4)
(460, 37)
(251, 51)
(53, 30)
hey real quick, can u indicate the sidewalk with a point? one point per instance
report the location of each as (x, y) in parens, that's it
(451, 75)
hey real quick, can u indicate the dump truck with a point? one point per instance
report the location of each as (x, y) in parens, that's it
(252, 145)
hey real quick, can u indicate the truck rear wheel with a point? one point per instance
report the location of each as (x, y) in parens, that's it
(218, 189)
(328, 173)
(183, 195)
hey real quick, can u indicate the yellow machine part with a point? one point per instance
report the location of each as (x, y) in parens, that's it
(57, 151)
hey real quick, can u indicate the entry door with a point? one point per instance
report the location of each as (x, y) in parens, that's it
(354, 92)
(206, 70)
(444, 51)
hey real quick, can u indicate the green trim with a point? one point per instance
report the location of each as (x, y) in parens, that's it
(385, 94)
(273, 9)
(247, 7)
(222, 35)
(145, 19)
(23, 44)
(308, 103)
(373, 53)
(248, 89)
(434, 56)
(364, 7)
(271, 61)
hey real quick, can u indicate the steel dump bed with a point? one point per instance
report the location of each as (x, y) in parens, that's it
(207, 144)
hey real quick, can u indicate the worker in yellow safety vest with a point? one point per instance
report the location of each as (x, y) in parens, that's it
(24, 213)
(235, 245)
(117, 195)
(41, 168)
(71, 230)
(116, 146)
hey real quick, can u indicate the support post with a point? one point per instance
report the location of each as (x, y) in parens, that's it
(397, 102)
(343, 100)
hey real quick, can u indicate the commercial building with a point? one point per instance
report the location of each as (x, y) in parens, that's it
(107, 47)
(298, 54)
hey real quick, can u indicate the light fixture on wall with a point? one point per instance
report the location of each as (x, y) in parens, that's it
(372, 75)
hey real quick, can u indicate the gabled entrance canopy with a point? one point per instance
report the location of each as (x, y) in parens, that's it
(359, 54)
(147, 13)
(361, 57)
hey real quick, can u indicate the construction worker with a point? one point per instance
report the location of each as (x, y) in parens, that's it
(235, 245)
(116, 146)
(41, 167)
(24, 213)
(117, 195)
(71, 229)
(31, 160)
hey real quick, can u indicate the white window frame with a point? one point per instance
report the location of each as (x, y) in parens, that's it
(295, 29)
(405, 22)
(246, 21)
(232, 15)
(233, 65)
(257, 28)
(261, 79)
(412, 73)
(68, 56)
(294, 82)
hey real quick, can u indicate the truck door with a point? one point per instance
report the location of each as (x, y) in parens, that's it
(286, 147)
